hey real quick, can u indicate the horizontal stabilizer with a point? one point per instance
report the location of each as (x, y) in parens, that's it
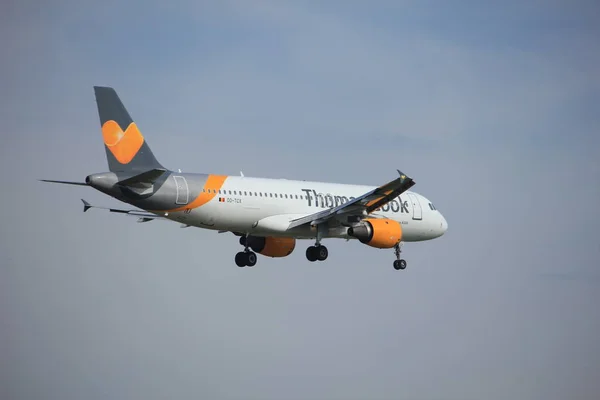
(65, 182)
(144, 179)
(143, 216)
(86, 205)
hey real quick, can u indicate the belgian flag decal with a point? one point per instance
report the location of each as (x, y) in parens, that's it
(221, 199)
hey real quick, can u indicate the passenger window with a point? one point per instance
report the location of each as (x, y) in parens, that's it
(270, 194)
(286, 196)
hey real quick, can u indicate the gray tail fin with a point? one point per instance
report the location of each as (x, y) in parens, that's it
(126, 148)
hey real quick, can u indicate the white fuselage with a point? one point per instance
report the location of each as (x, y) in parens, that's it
(266, 206)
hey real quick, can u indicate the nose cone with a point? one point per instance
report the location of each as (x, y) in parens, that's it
(443, 225)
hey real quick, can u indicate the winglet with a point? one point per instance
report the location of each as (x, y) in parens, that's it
(86, 205)
(402, 175)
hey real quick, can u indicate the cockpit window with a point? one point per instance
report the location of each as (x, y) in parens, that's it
(430, 206)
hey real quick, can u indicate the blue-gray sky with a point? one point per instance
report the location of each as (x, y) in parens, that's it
(492, 108)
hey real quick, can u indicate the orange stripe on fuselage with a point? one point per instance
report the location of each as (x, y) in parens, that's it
(123, 145)
(213, 184)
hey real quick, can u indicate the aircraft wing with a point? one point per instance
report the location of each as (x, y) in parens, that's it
(362, 205)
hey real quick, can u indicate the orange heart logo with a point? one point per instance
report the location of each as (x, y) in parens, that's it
(123, 145)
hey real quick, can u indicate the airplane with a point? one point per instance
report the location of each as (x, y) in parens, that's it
(268, 215)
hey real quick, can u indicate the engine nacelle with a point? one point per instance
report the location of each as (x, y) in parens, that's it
(271, 246)
(380, 233)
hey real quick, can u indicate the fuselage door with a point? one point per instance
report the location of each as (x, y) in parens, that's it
(416, 206)
(182, 190)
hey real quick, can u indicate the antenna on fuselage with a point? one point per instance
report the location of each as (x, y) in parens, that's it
(241, 174)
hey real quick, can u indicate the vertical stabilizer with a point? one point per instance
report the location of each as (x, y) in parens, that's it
(126, 148)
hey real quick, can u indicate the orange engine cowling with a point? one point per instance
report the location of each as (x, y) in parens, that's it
(381, 233)
(271, 246)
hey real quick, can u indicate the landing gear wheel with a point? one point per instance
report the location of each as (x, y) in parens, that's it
(245, 259)
(316, 253)
(311, 254)
(399, 264)
(240, 259)
(322, 253)
(250, 259)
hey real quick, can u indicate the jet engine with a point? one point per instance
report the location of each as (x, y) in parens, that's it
(270, 246)
(381, 233)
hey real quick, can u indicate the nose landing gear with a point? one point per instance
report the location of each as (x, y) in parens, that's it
(399, 263)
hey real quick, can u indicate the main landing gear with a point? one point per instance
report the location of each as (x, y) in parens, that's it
(399, 263)
(245, 258)
(318, 252)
